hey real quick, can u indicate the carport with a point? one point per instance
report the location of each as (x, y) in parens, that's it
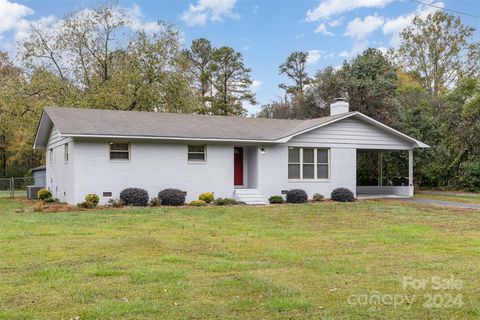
(384, 173)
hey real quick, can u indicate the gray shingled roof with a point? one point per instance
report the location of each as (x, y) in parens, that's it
(95, 122)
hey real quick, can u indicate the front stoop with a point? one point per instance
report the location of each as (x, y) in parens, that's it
(250, 196)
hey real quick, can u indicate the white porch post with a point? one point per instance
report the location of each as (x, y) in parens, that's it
(410, 172)
(380, 169)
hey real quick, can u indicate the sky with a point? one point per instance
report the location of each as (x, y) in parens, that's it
(265, 32)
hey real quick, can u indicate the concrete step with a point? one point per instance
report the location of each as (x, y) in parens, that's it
(250, 196)
(247, 191)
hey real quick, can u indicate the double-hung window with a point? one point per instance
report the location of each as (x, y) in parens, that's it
(308, 163)
(197, 153)
(119, 151)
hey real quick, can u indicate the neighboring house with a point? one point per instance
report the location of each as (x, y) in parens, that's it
(250, 159)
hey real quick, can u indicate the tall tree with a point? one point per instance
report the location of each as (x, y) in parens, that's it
(440, 50)
(325, 87)
(370, 81)
(231, 82)
(22, 98)
(200, 57)
(294, 67)
(109, 63)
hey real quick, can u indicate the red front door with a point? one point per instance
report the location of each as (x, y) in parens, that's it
(238, 166)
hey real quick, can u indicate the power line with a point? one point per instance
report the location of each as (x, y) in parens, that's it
(445, 9)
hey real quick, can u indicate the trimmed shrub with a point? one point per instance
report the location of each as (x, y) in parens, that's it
(207, 197)
(219, 202)
(134, 197)
(297, 196)
(50, 200)
(342, 195)
(92, 199)
(275, 199)
(198, 203)
(318, 197)
(224, 202)
(230, 201)
(115, 203)
(172, 197)
(84, 205)
(155, 202)
(44, 194)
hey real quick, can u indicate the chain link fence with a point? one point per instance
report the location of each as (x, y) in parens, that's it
(15, 187)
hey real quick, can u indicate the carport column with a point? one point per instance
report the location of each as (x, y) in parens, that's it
(410, 172)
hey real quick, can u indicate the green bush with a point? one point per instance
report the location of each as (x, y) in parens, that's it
(207, 197)
(134, 197)
(155, 202)
(342, 195)
(172, 197)
(230, 201)
(275, 199)
(198, 203)
(297, 196)
(225, 202)
(84, 205)
(44, 194)
(92, 199)
(115, 203)
(318, 197)
(50, 200)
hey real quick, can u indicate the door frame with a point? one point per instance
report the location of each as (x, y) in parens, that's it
(244, 164)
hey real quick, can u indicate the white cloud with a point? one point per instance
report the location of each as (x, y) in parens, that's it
(12, 14)
(328, 8)
(314, 56)
(135, 17)
(396, 25)
(256, 85)
(208, 10)
(23, 29)
(322, 28)
(359, 29)
(335, 22)
(13, 18)
(358, 47)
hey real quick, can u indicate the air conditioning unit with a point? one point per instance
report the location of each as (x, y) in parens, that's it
(32, 191)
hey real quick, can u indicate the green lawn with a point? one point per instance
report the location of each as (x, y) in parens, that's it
(474, 199)
(17, 193)
(276, 262)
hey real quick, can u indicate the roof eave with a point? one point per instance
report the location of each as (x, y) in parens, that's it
(41, 124)
(167, 138)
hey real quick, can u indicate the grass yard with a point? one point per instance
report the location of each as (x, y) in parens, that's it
(275, 262)
(473, 199)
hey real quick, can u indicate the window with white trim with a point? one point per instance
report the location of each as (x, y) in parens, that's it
(65, 153)
(119, 151)
(308, 163)
(197, 153)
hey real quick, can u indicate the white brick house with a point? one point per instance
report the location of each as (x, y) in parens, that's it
(103, 152)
